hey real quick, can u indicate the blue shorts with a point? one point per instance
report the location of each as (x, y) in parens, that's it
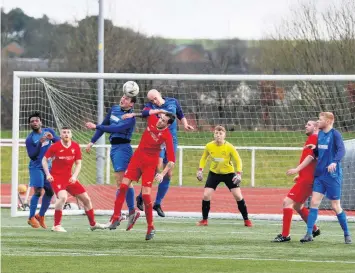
(120, 156)
(330, 187)
(163, 153)
(38, 179)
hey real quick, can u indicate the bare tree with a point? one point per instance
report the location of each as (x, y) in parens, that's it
(314, 42)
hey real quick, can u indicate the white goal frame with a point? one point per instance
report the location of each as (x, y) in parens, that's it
(16, 141)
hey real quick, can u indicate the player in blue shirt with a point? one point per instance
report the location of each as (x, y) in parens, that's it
(328, 175)
(171, 105)
(121, 151)
(37, 143)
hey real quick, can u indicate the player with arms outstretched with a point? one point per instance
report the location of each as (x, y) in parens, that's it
(222, 154)
(121, 131)
(170, 105)
(37, 143)
(328, 175)
(144, 163)
(300, 192)
(64, 154)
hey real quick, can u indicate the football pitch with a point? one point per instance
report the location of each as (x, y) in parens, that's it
(179, 246)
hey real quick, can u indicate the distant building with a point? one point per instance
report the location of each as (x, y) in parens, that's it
(12, 49)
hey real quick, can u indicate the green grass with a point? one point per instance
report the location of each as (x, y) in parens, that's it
(179, 246)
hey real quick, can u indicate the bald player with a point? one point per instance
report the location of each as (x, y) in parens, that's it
(156, 101)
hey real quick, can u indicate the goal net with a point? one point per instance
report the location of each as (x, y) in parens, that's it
(264, 116)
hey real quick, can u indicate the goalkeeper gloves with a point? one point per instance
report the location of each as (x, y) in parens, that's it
(237, 178)
(199, 175)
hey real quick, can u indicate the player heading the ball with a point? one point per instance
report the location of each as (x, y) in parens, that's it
(144, 163)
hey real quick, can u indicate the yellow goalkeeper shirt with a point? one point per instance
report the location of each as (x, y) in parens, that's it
(221, 158)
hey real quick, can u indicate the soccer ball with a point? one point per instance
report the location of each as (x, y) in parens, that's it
(131, 89)
(22, 188)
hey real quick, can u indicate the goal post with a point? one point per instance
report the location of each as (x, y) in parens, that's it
(264, 116)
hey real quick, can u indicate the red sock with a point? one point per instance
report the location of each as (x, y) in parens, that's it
(119, 200)
(57, 217)
(286, 221)
(148, 208)
(91, 217)
(304, 215)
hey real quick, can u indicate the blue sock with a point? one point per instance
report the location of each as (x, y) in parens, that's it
(130, 199)
(140, 194)
(343, 223)
(312, 218)
(46, 201)
(33, 205)
(162, 190)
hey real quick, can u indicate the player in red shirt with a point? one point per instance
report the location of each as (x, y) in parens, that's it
(303, 187)
(63, 155)
(144, 164)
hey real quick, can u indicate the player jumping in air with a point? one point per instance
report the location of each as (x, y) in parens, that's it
(121, 151)
(329, 152)
(303, 188)
(144, 163)
(170, 105)
(64, 154)
(222, 153)
(37, 143)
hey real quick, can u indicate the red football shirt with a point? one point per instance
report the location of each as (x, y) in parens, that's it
(307, 174)
(153, 140)
(63, 158)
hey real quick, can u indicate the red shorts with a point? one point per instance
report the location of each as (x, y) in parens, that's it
(144, 166)
(72, 188)
(301, 191)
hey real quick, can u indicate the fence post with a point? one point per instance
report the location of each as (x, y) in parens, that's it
(252, 178)
(180, 165)
(108, 173)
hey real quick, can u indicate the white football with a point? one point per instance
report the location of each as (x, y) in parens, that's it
(131, 89)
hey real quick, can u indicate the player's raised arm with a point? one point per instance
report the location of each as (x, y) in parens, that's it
(180, 115)
(51, 135)
(98, 133)
(123, 125)
(33, 150)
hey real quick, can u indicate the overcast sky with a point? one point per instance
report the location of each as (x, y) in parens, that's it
(214, 19)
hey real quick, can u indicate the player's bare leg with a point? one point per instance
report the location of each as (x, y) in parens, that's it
(148, 207)
(62, 197)
(242, 207)
(86, 201)
(206, 204)
(116, 218)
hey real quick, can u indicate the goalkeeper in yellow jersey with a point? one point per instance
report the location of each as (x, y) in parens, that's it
(222, 153)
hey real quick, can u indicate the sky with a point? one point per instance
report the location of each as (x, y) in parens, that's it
(179, 19)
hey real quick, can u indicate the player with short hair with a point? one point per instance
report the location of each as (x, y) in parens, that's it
(300, 192)
(328, 174)
(144, 163)
(222, 153)
(121, 131)
(64, 154)
(170, 105)
(37, 143)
